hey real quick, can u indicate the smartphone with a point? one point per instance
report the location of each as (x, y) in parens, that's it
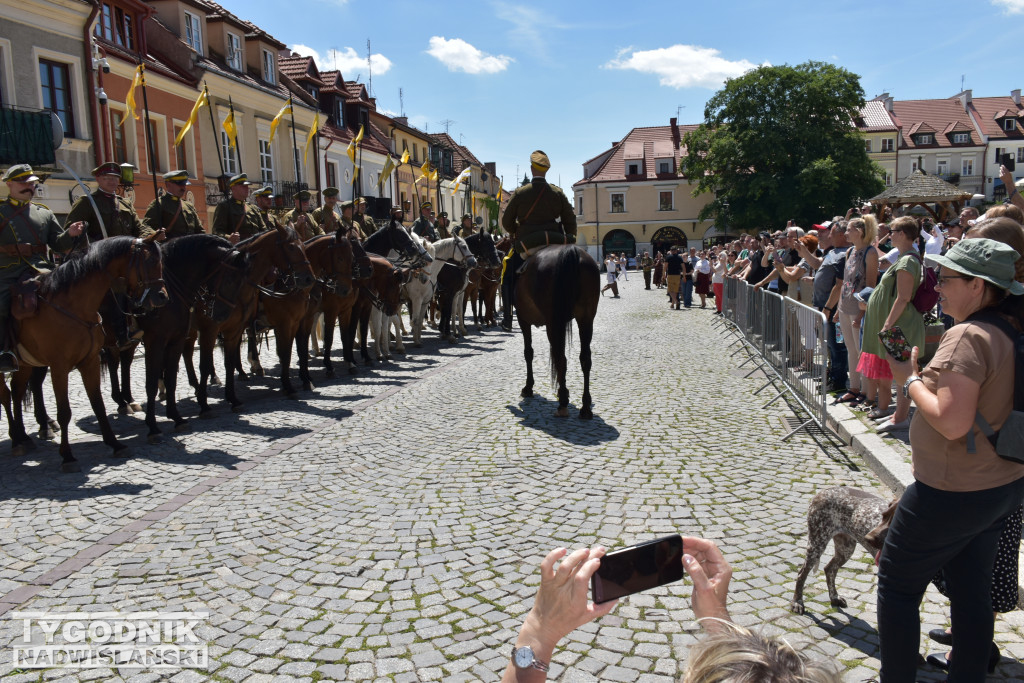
(638, 568)
(895, 342)
(1010, 162)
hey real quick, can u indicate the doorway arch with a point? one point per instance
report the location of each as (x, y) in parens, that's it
(619, 242)
(666, 238)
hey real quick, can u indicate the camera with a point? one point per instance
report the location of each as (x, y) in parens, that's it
(101, 95)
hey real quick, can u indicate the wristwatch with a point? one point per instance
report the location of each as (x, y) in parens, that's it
(523, 658)
(906, 385)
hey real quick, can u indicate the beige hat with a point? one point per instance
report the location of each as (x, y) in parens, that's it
(540, 160)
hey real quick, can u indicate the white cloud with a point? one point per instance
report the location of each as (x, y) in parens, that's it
(347, 61)
(458, 55)
(1010, 6)
(683, 66)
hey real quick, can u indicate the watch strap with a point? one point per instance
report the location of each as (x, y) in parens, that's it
(906, 385)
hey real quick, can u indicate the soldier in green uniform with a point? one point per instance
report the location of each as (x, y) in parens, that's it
(422, 226)
(465, 228)
(324, 216)
(117, 213)
(537, 214)
(26, 230)
(171, 212)
(443, 229)
(347, 224)
(264, 202)
(301, 219)
(234, 217)
(647, 264)
(366, 225)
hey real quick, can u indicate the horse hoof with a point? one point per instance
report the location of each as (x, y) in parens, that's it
(237, 407)
(526, 393)
(123, 410)
(155, 438)
(70, 466)
(54, 425)
(183, 426)
(562, 412)
(47, 434)
(259, 372)
(242, 377)
(586, 414)
(136, 408)
(214, 381)
(307, 386)
(121, 451)
(18, 451)
(329, 373)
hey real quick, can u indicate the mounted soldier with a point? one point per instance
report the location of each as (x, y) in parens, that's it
(235, 218)
(26, 230)
(264, 198)
(324, 215)
(301, 219)
(366, 225)
(171, 212)
(423, 226)
(443, 231)
(537, 215)
(465, 228)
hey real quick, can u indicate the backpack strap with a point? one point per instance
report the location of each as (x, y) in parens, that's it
(1006, 328)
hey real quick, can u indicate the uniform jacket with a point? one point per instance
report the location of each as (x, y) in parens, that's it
(535, 208)
(176, 216)
(35, 227)
(232, 215)
(118, 215)
(365, 224)
(311, 229)
(425, 229)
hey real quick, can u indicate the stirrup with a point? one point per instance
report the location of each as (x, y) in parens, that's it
(8, 362)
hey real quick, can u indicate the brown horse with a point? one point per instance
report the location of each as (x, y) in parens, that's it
(279, 249)
(65, 332)
(330, 256)
(383, 290)
(558, 285)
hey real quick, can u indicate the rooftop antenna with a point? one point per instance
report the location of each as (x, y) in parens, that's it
(460, 139)
(334, 58)
(401, 102)
(369, 70)
(679, 109)
(447, 124)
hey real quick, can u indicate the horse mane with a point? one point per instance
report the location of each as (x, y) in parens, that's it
(191, 247)
(290, 232)
(81, 265)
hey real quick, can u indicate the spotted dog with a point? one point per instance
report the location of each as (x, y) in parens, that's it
(848, 516)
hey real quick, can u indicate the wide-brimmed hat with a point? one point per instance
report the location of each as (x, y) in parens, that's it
(983, 258)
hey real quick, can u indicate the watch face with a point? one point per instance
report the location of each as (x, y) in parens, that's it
(524, 657)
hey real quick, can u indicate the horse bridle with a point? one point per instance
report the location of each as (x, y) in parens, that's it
(330, 284)
(461, 245)
(288, 279)
(136, 264)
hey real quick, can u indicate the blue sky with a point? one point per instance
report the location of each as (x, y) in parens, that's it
(571, 77)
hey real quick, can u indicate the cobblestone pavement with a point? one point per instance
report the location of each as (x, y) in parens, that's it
(389, 526)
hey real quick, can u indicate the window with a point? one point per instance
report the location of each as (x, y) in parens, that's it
(633, 169)
(55, 80)
(925, 139)
(268, 67)
(942, 167)
(961, 138)
(234, 52)
(266, 162)
(313, 90)
(579, 206)
(180, 161)
(887, 144)
(888, 179)
(913, 166)
(967, 167)
(154, 163)
(118, 136)
(116, 25)
(665, 201)
(618, 202)
(230, 162)
(867, 146)
(1020, 155)
(664, 167)
(331, 175)
(1010, 124)
(193, 32)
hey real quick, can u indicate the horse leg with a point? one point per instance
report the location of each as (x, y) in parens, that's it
(154, 370)
(586, 328)
(89, 370)
(528, 354)
(112, 357)
(399, 325)
(364, 335)
(172, 359)
(205, 367)
(254, 352)
(190, 369)
(349, 341)
(5, 399)
(284, 357)
(47, 426)
(232, 359)
(302, 349)
(556, 342)
(21, 443)
(328, 343)
(126, 358)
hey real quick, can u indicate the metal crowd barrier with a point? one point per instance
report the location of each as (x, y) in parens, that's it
(788, 337)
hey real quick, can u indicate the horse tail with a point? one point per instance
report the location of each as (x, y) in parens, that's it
(566, 290)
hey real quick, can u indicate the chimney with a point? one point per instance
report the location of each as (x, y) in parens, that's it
(672, 122)
(1015, 94)
(965, 99)
(888, 103)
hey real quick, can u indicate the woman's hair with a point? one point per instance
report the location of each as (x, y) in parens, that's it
(1006, 211)
(1007, 231)
(868, 226)
(809, 241)
(908, 226)
(736, 655)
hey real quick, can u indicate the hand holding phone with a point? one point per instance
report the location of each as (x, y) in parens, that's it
(638, 568)
(895, 342)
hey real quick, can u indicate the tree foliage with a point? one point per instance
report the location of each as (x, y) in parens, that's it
(779, 143)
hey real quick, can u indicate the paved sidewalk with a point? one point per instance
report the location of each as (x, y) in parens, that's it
(389, 527)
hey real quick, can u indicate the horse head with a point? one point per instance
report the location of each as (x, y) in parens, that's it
(293, 265)
(144, 279)
(395, 236)
(483, 248)
(462, 250)
(340, 265)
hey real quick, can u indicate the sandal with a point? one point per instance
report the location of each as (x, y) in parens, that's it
(853, 397)
(875, 413)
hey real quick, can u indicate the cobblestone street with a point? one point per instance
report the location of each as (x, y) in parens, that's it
(389, 526)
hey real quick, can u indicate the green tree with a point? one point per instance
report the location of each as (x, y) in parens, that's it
(779, 143)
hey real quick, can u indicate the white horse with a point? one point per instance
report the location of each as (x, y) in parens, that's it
(455, 252)
(420, 290)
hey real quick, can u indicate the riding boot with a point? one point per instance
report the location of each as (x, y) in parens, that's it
(506, 300)
(8, 361)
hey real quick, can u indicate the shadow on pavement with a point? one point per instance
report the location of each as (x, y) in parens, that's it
(538, 412)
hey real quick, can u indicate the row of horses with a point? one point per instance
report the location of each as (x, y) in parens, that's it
(201, 289)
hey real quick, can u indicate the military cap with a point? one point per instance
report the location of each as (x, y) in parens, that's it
(540, 160)
(465, 216)
(240, 179)
(426, 205)
(443, 214)
(302, 195)
(361, 200)
(176, 176)
(265, 191)
(20, 173)
(331, 192)
(109, 168)
(347, 204)
(397, 209)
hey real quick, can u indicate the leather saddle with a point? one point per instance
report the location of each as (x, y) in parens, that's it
(25, 296)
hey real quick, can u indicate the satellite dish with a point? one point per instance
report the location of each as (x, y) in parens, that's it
(58, 130)
(483, 175)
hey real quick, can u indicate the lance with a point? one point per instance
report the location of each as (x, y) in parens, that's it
(295, 150)
(213, 124)
(150, 143)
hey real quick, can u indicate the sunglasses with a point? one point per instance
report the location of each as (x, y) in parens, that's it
(942, 279)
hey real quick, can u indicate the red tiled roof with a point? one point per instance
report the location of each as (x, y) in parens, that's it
(354, 90)
(462, 157)
(216, 12)
(644, 140)
(875, 118)
(987, 110)
(333, 82)
(931, 116)
(300, 68)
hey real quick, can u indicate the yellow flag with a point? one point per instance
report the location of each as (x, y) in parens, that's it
(202, 100)
(286, 109)
(359, 137)
(352, 146)
(312, 134)
(230, 128)
(405, 157)
(462, 176)
(129, 101)
(389, 168)
(425, 169)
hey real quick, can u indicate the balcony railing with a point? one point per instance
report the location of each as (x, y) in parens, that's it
(26, 136)
(283, 192)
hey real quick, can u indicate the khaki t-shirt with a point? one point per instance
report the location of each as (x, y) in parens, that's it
(983, 353)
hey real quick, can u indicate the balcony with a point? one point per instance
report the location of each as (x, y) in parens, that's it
(283, 191)
(26, 136)
(967, 183)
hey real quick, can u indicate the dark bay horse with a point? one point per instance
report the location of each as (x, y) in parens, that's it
(65, 332)
(331, 258)
(487, 259)
(383, 290)
(558, 285)
(279, 251)
(203, 273)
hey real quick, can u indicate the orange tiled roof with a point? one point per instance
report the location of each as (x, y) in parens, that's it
(987, 110)
(932, 116)
(641, 144)
(300, 68)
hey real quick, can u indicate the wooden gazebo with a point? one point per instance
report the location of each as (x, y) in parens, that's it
(922, 190)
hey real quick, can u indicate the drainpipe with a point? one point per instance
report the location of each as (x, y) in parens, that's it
(95, 117)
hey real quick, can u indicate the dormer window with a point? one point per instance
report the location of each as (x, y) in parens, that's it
(268, 67)
(313, 90)
(234, 52)
(926, 139)
(117, 26)
(633, 169)
(339, 113)
(1009, 125)
(961, 138)
(193, 33)
(664, 167)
